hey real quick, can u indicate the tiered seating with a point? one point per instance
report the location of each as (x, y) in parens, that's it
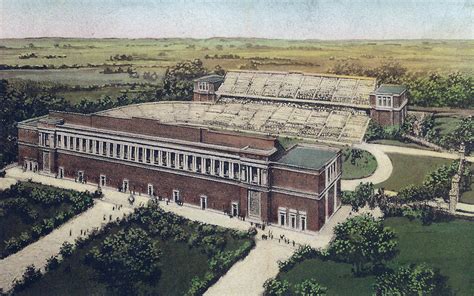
(324, 88)
(308, 87)
(258, 84)
(286, 119)
(290, 85)
(272, 86)
(242, 83)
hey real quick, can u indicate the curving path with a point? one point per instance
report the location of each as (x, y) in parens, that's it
(382, 173)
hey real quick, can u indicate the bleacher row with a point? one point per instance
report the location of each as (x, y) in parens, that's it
(354, 91)
(285, 119)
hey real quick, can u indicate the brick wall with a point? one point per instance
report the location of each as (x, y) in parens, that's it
(310, 206)
(296, 180)
(28, 136)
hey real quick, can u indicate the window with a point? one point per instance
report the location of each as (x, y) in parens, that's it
(118, 150)
(203, 86)
(111, 151)
(97, 147)
(148, 155)
(150, 190)
(302, 222)
(84, 145)
(156, 156)
(173, 159)
(282, 217)
(66, 142)
(125, 151)
(190, 164)
(91, 146)
(103, 181)
(104, 148)
(132, 153)
(293, 220)
(176, 196)
(59, 141)
(140, 154)
(198, 164)
(77, 144)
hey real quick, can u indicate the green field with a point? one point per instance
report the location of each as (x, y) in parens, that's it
(362, 167)
(186, 247)
(30, 210)
(446, 124)
(447, 246)
(308, 55)
(406, 173)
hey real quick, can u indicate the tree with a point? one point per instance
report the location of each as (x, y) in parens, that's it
(126, 258)
(411, 280)
(66, 249)
(274, 287)
(178, 80)
(363, 240)
(310, 288)
(363, 195)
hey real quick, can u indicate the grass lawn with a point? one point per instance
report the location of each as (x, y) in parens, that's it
(179, 263)
(410, 169)
(363, 166)
(20, 211)
(446, 124)
(400, 144)
(447, 246)
(468, 196)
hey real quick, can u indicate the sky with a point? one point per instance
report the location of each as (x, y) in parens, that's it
(298, 19)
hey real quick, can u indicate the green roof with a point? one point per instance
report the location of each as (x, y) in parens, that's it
(210, 78)
(391, 89)
(307, 157)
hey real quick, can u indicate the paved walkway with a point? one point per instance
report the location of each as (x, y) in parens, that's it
(382, 172)
(417, 152)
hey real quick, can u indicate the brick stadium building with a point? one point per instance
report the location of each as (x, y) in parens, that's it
(147, 149)
(221, 151)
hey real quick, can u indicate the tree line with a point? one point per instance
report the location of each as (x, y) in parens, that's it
(425, 89)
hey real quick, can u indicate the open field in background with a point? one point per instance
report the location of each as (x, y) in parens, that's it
(406, 173)
(154, 55)
(445, 245)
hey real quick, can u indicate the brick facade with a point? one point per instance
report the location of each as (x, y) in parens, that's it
(225, 168)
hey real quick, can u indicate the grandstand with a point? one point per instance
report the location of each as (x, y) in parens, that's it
(277, 119)
(315, 88)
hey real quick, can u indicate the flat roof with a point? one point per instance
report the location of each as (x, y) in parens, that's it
(307, 157)
(391, 89)
(210, 78)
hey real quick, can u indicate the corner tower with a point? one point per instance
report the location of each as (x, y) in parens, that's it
(205, 88)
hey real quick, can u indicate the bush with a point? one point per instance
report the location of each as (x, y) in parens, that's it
(310, 288)
(66, 249)
(302, 253)
(411, 280)
(275, 287)
(52, 263)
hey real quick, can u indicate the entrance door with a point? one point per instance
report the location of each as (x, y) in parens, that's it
(125, 185)
(61, 172)
(103, 180)
(150, 190)
(293, 220)
(235, 209)
(203, 202)
(80, 176)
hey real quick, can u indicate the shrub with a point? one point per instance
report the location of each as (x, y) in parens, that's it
(411, 280)
(310, 288)
(52, 263)
(66, 249)
(302, 253)
(274, 287)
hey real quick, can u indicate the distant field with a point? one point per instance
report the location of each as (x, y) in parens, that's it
(310, 56)
(82, 77)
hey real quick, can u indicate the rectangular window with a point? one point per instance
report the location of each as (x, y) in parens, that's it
(293, 220)
(66, 142)
(78, 142)
(60, 172)
(104, 148)
(132, 153)
(164, 158)
(91, 146)
(84, 145)
(111, 151)
(148, 155)
(282, 217)
(302, 222)
(59, 141)
(118, 151)
(156, 156)
(125, 151)
(97, 147)
(173, 159)
(198, 164)
(140, 154)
